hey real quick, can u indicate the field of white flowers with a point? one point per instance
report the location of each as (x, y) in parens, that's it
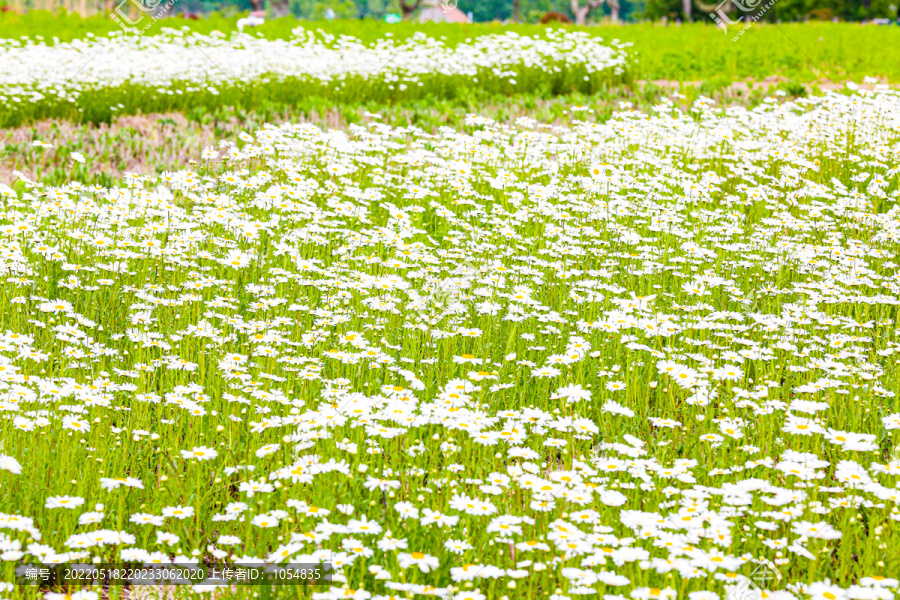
(649, 358)
(87, 79)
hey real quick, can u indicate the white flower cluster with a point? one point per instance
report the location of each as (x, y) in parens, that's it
(667, 368)
(31, 72)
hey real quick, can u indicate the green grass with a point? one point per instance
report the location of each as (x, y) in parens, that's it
(795, 57)
(310, 265)
(348, 282)
(159, 142)
(803, 52)
(101, 104)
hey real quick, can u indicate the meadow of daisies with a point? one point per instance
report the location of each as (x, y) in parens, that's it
(650, 356)
(98, 77)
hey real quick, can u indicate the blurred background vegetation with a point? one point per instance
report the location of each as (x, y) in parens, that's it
(529, 11)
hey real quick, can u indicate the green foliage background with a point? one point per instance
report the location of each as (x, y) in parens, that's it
(530, 11)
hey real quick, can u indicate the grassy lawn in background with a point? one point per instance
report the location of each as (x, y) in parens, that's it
(797, 51)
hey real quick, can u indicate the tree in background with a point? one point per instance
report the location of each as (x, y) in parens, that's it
(670, 9)
(488, 10)
(582, 12)
(408, 9)
(614, 7)
(375, 9)
(782, 10)
(530, 11)
(525, 11)
(315, 10)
